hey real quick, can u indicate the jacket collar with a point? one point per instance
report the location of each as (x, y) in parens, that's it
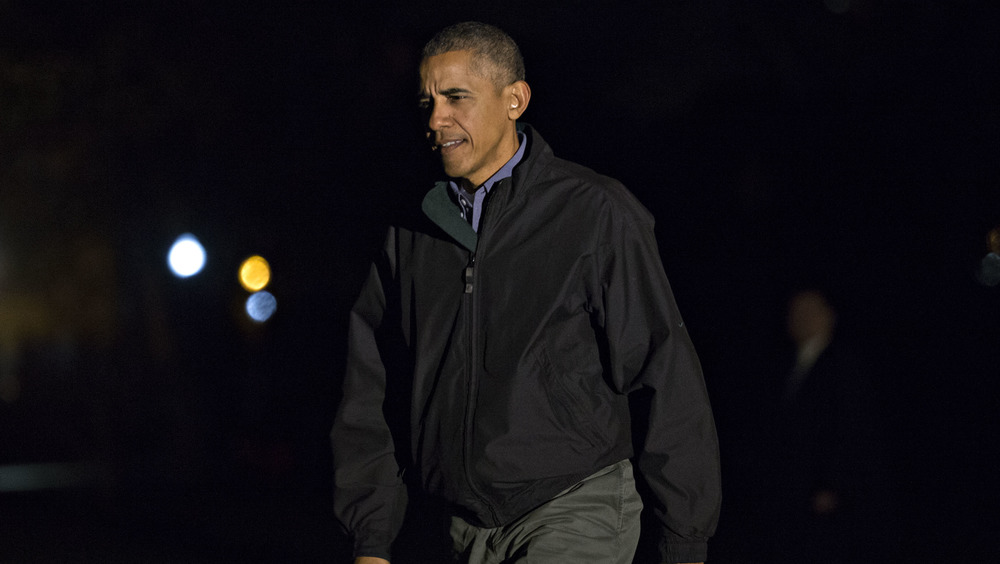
(439, 207)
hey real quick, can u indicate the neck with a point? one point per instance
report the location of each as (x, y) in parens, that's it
(513, 145)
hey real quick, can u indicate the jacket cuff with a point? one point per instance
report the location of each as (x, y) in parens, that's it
(677, 550)
(373, 546)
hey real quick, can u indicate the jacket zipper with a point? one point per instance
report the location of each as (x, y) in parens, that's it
(472, 318)
(470, 271)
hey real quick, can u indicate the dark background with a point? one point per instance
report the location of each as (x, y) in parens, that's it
(848, 143)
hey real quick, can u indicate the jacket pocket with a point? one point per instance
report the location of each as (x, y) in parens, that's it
(572, 405)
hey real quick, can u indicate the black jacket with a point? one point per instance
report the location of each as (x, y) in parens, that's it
(519, 347)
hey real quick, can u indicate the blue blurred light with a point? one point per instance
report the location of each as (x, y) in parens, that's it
(187, 256)
(261, 306)
(989, 270)
(46, 476)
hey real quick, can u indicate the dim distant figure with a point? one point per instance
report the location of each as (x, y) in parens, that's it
(10, 385)
(496, 342)
(828, 487)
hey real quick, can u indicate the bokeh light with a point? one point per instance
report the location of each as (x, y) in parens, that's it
(989, 270)
(989, 267)
(255, 273)
(261, 306)
(187, 256)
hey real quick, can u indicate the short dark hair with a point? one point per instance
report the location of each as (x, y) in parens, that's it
(494, 54)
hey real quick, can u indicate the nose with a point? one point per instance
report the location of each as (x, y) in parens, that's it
(439, 116)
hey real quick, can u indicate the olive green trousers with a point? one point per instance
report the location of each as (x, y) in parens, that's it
(596, 521)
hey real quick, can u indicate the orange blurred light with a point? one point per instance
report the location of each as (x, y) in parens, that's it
(255, 273)
(993, 240)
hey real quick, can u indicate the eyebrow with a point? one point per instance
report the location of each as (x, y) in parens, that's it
(448, 92)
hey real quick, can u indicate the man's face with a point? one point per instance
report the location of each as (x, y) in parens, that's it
(469, 122)
(809, 316)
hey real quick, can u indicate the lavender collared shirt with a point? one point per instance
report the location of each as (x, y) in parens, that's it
(475, 207)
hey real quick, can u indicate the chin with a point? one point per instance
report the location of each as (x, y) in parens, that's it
(454, 172)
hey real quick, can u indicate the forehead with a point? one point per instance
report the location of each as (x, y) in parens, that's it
(450, 70)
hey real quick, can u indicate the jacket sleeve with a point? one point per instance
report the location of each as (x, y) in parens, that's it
(649, 349)
(369, 494)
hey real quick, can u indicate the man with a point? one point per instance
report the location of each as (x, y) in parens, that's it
(526, 308)
(829, 483)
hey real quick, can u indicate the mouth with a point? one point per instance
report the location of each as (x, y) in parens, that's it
(449, 145)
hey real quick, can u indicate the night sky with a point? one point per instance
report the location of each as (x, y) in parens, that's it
(848, 144)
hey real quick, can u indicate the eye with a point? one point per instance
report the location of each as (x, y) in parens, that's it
(424, 103)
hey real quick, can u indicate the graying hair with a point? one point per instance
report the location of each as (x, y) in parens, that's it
(495, 56)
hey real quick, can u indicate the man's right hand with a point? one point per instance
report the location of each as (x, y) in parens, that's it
(370, 560)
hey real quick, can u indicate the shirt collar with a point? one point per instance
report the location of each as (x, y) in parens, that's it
(505, 171)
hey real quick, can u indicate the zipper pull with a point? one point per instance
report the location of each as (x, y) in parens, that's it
(469, 271)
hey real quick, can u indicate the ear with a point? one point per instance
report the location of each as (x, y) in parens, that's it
(518, 94)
